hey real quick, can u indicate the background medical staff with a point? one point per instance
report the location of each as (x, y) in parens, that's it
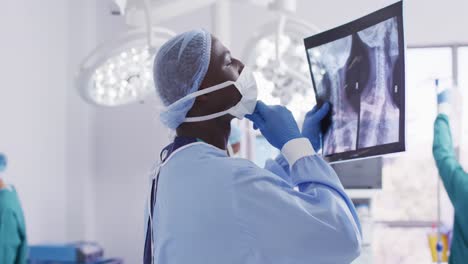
(13, 245)
(453, 176)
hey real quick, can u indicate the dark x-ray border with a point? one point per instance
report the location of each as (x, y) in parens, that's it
(392, 11)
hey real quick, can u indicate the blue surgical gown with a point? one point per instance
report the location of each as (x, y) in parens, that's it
(213, 209)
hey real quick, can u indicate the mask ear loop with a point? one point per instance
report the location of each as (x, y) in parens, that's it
(215, 115)
(201, 92)
(205, 91)
(206, 117)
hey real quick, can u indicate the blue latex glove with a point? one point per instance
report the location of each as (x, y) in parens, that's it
(443, 97)
(311, 127)
(3, 162)
(276, 123)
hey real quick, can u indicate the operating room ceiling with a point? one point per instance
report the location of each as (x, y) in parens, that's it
(160, 8)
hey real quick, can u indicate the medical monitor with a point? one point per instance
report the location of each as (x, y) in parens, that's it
(359, 68)
(360, 174)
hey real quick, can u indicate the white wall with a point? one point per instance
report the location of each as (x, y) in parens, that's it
(128, 139)
(45, 127)
(32, 110)
(80, 131)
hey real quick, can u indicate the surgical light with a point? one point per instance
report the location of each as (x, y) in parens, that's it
(277, 56)
(120, 72)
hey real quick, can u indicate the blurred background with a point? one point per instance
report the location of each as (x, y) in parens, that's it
(80, 158)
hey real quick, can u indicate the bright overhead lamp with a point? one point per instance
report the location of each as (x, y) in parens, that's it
(120, 72)
(277, 55)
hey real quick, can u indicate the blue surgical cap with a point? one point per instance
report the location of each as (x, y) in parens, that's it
(179, 69)
(3, 162)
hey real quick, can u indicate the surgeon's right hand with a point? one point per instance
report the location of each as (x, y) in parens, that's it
(276, 123)
(311, 128)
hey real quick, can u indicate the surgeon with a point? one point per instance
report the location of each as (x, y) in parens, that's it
(13, 246)
(208, 208)
(453, 176)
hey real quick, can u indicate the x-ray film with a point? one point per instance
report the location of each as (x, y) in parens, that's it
(359, 69)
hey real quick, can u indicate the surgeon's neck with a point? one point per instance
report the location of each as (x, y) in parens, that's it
(214, 132)
(2, 184)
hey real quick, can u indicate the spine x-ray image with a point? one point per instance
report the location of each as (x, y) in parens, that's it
(362, 76)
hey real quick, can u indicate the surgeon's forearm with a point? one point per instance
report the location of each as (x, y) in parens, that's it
(315, 178)
(296, 149)
(308, 170)
(300, 155)
(279, 165)
(321, 175)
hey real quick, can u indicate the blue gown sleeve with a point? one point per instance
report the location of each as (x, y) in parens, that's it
(279, 166)
(317, 224)
(10, 239)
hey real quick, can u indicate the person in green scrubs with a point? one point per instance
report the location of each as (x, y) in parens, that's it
(13, 245)
(454, 178)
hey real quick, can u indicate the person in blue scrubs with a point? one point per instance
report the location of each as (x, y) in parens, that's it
(209, 208)
(13, 246)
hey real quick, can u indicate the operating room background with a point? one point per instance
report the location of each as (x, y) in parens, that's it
(81, 171)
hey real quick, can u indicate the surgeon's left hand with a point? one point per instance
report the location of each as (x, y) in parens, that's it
(311, 127)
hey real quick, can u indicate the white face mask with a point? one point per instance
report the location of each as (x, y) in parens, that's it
(247, 87)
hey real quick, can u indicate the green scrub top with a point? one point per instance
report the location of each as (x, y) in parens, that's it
(13, 246)
(455, 180)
